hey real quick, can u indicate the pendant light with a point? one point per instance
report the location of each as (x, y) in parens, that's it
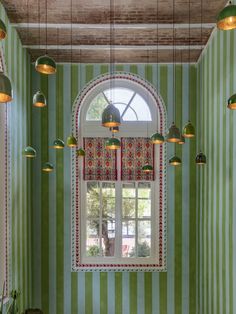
(39, 100)
(147, 168)
(182, 140)
(114, 129)
(80, 152)
(29, 152)
(232, 102)
(45, 64)
(175, 161)
(58, 144)
(173, 135)
(5, 89)
(188, 130)
(157, 138)
(112, 143)
(111, 115)
(47, 167)
(201, 157)
(71, 141)
(226, 19)
(3, 30)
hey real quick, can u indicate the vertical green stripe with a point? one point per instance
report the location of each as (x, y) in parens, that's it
(148, 292)
(118, 293)
(44, 202)
(88, 293)
(133, 293)
(60, 196)
(103, 293)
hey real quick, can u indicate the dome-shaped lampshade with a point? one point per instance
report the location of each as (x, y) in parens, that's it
(157, 138)
(47, 167)
(111, 117)
(80, 152)
(3, 30)
(112, 143)
(232, 102)
(115, 129)
(182, 140)
(200, 159)
(173, 135)
(188, 130)
(226, 19)
(45, 65)
(29, 152)
(71, 141)
(147, 168)
(5, 88)
(175, 161)
(58, 144)
(39, 100)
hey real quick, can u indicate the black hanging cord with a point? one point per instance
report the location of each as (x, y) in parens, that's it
(189, 34)
(46, 50)
(173, 42)
(71, 35)
(39, 24)
(201, 85)
(157, 40)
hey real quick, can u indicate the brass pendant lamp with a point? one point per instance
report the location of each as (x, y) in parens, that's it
(188, 129)
(3, 30)
(6, 94)
(201, 157)
(175, 161)
(226, 19)
(80, 152)
(47, 167)
(147, 168)
(112, 143)
(39, 100)
(45, 64)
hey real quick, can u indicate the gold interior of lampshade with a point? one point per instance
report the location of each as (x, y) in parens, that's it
(227, 23)
(29, 155)
(71, 145)
(2, 34)
(58, 146)
(112, 146)
(39, 104)
(47, 169)
(175, 163)
(5, 98)
(188, 135)
(45, 69)
(110, 124)
(232, 106)
(147, 170)
(173, 140)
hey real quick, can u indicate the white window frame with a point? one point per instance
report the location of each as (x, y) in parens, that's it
(127, 129)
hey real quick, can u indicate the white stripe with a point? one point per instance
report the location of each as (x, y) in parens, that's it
(155, 293)
(81, 292)
(234, 189)
(96, 293)
(125, 293)
(111, 293)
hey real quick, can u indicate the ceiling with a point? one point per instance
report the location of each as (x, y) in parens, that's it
(135, 30)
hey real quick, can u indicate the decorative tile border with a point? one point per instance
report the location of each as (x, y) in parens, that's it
(161, 264)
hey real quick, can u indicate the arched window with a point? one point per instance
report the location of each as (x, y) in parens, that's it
(118, 211)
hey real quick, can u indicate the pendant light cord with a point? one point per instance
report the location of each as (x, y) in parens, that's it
(71, 35)
(201, 87)
(189, 33)
(46, 27)
(39, 24)
(173, 55)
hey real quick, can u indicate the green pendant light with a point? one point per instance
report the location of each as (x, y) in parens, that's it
(115, 129)
(188, 130)
(173, 135)
(39, 100)
(5, 89)
(182, 140)
(175, 161)
(226, 19)
(80, 152)
(29, 152)
(110, 116)
(147, 168)
(45, 65)
(47, 167)
(157, 138)
(58, 144)
(232, 102)
(112, 143)
(71, 141)
(200, 159)
(3, 30)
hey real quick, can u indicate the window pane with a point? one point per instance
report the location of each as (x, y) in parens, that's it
(128, 190)
(120, 107)
(130, 115)
(92, 241)
(96, 108)
(108, 237)
(144, 208)
(108, 200)
(144, 190)
(93, 200)
(119, 94)
(128, 239)
(128, 200)
(144, 238)
(141, 108)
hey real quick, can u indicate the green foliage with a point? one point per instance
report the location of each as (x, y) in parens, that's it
(143, 250)
(93, 250)
(96, 108)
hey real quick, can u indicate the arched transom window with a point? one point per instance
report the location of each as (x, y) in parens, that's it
(118, 211)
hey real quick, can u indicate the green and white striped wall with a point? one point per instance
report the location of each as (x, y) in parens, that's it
(18, 69)
(54, 288)
(216, 267)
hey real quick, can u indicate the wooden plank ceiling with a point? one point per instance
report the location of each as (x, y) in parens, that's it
(137, 36)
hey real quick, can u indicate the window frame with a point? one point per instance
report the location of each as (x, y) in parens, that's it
(81, 129)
